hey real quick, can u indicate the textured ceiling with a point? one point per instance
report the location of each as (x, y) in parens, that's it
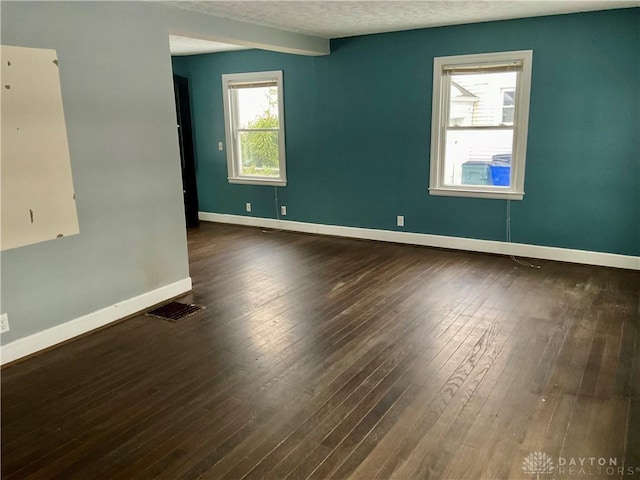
(335, 19)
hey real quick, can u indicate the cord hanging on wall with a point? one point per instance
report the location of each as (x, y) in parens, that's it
(519, 262)
(277, 205)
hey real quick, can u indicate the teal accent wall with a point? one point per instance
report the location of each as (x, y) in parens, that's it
(180, 66)
(358, 126)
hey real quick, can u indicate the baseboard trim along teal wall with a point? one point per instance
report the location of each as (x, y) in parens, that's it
(439, 241)
(358, 125)
(60, 333)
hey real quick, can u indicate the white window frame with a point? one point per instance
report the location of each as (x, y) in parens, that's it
(231, 128)
(440, 116)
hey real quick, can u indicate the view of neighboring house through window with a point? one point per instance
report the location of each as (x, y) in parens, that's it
(253, 110)
(480, 117)
(508, 105)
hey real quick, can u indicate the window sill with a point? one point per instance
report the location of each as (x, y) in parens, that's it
(276, 182)
(476, 193)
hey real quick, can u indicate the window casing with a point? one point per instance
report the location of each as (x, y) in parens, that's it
(254, 128)
(479, 125)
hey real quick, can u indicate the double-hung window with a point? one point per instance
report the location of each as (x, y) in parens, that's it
(479, 124)
(254, 124)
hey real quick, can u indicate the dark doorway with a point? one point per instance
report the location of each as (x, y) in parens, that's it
(187, 158)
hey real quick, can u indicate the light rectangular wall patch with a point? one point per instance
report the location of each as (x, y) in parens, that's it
(37, 196)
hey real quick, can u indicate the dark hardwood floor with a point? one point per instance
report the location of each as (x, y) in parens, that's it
(323, 357)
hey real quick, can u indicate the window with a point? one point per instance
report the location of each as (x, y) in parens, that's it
(479, 125)
(254, 123)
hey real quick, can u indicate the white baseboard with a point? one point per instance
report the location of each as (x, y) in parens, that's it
(66, 331)
(456, 243)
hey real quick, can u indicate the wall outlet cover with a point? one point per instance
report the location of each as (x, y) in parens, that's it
(4, 323)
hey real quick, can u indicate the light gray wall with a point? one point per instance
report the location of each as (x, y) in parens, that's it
(117, 90)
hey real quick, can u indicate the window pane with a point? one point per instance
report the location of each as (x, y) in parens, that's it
(478, 157)
(508, 98)
(259, 154)
(257, 107)
(478, 99)
(507, 115)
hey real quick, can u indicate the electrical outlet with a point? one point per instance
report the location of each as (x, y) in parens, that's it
(400, 221)
(248, 206)
(283, 210)
(4, 323)
(220, 146)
